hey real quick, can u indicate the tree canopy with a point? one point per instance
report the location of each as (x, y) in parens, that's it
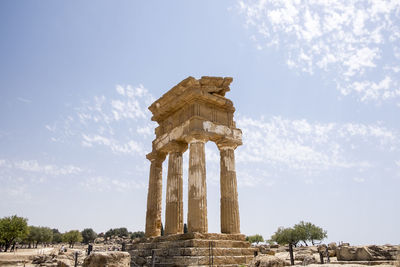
(284, 236)
(39, 234)
(303, 231)
(57, 236)
(138, 234)
(11, 228)
(72, 237)
(255, 238)
(88, 235)
(309, 232)
(120, 232)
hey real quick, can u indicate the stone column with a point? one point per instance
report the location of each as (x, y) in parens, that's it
(174, 198)
(197, 208)
(230, 221)
(154, 195)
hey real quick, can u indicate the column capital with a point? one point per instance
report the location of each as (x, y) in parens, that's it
(196, 138)
(156, 156)
(227, 144)
(175, 146)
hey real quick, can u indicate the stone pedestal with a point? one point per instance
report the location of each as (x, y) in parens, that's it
(154, 195)
(197, 208)
(192, 249)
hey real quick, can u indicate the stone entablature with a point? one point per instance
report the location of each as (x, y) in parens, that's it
(189, 115)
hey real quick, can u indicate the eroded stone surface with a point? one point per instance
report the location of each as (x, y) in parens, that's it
(192, 249)
(191, 114)
(367, 253)
(108, 259)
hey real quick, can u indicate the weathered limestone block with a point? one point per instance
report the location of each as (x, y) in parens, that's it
(301, 255)
(267, 261)
(192, 249)
(197, 208)
(367, 253)
(108, 259)
(154, 195)
(309, 260)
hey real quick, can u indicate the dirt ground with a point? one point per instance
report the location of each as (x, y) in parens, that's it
(23, 257)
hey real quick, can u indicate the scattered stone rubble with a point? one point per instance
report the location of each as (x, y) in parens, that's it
(343, 254)
(367, 253)
(108, 259)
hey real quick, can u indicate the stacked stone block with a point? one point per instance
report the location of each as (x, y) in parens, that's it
(192, 249)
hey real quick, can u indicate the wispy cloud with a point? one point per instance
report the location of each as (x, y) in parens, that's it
(130, 147)
(303, 145)
(119, 122)
(359, 180)
(356, 43)
(25, 100)
(35, 167)
(105, 184)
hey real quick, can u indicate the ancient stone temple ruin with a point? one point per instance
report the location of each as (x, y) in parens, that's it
(189, 115)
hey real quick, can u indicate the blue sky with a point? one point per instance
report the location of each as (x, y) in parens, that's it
(316, 89)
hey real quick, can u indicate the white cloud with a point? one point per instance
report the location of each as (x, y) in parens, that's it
(311, 147)
(24, 100)
(95, 122)
(35, 166)
(356, 43)
(131, 147)
(145, 130)
(359, 180)
(105, 184)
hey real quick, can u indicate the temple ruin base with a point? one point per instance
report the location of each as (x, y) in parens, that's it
(192, 249)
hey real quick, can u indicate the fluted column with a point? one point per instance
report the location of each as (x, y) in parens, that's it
(174, 198)
(154, 195)
(230, 221)
(197, 208)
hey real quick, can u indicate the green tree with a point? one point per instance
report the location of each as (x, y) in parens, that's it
(32, 236)
(138, 234)
(255, 238)
(46, 235)
(317, 234)
(284, 236)
(11, 228)
(57, 236)
(120, 232)
(88, 235)
(39, 234)
(303, 231)
(307, 231)
(72, 237)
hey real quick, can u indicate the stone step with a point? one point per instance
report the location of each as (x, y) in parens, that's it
(202, 243)
(381, 262)
(200, 260)
(195, 252)
(208, 236)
